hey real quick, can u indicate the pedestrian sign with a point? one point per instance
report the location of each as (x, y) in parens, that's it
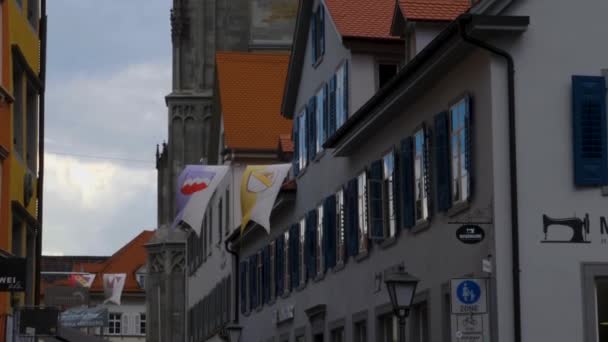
(469, 296)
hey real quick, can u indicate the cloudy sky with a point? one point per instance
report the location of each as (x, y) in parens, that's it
(108, 71)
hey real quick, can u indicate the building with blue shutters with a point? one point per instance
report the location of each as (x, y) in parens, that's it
(411, 123)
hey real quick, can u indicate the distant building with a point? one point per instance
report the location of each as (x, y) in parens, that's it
(127, 321)
(23, 58)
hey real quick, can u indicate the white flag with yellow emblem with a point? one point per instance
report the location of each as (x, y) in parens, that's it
(259, 189)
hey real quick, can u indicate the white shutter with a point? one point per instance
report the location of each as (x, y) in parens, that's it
(136, 329)
(124, 326)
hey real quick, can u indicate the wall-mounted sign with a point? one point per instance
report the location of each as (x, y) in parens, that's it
(12, 274)
(85, 317)
(469, 319)
(578, 226)
(469, 296)
(283, 313)
(470, 234)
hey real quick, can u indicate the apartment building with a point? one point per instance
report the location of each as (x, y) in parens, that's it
(492, 120)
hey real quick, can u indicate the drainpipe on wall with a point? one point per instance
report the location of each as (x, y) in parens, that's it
(236, 279)
(42, 36)
(512, 170)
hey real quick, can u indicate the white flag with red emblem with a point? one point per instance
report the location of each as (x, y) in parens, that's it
(113, 284)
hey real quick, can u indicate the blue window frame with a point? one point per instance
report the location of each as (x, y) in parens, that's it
(302, 148)
(317, 33)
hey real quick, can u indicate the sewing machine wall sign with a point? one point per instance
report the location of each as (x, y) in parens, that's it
(580, 228)
(470, 234)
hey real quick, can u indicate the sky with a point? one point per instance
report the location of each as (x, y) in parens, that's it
(108, 71)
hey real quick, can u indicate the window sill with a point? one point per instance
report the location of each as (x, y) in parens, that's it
(339, 267)
(302, 172)
(388, 242)
(319, 156)
(362, 256)
(318, 62)
(421, 226)
(319, 277)
(458, 208)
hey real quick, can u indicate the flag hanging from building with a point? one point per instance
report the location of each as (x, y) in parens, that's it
(196, 185)
(82, 280)
(260, 186)
(113, 284)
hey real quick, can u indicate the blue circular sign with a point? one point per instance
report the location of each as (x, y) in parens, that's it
(468, 292)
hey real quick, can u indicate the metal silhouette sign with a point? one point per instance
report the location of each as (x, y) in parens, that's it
(578, 226)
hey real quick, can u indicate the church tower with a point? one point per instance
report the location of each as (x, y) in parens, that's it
(199, 28)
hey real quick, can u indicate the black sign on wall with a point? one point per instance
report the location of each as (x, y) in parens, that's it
(12, 274)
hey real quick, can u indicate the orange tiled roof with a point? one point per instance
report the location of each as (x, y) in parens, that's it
(363, 18)
(434, 10)
(285, 143)
(251, 89)
(126, 260)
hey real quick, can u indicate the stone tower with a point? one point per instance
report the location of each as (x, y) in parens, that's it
(199, 28)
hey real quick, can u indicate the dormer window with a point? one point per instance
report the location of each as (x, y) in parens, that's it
(140, 277)
(317, 32)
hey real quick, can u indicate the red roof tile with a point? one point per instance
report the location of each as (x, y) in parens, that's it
(433, 10)
(251, 89)
(285, 143)
(128, 259)
(363, 18)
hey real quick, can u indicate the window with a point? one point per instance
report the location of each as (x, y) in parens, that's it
(320, 116)
(114, 323)
(389, 195)
(317, 31)
(220, 219)
(337, 335)
(360, 332)
(301, 253)
(141, 280)
(286, 262)
(18, 109)
(210, 226)
(142, 323)
(362, 210)
(259, 278)
(17, 240)
(272, 270)
(389, 328)
(421, 211)
(340, 228)
(458, 143)
(32, 12)
(227, 211)
(319, 249)
(302, 150)
(419, 322)
(385, 73)
(341, 95)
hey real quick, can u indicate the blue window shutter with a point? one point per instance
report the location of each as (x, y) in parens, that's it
(332, 105)
(321, 30)
(311, 243)
(407, 183)
(346, 90)
(313, 39)
(294, 238)
(396, 189)
(376, 211)
(253, 293)
(589, 130)
(329, 231)
(267, 274)
(352, 215)
(444, 174)
(311, 128)
(468, 150)
(325, 113)
(296, 141)
(243, 286)
(279, 265)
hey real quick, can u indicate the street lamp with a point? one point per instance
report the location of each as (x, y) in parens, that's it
(401, 287)
(232, 332)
